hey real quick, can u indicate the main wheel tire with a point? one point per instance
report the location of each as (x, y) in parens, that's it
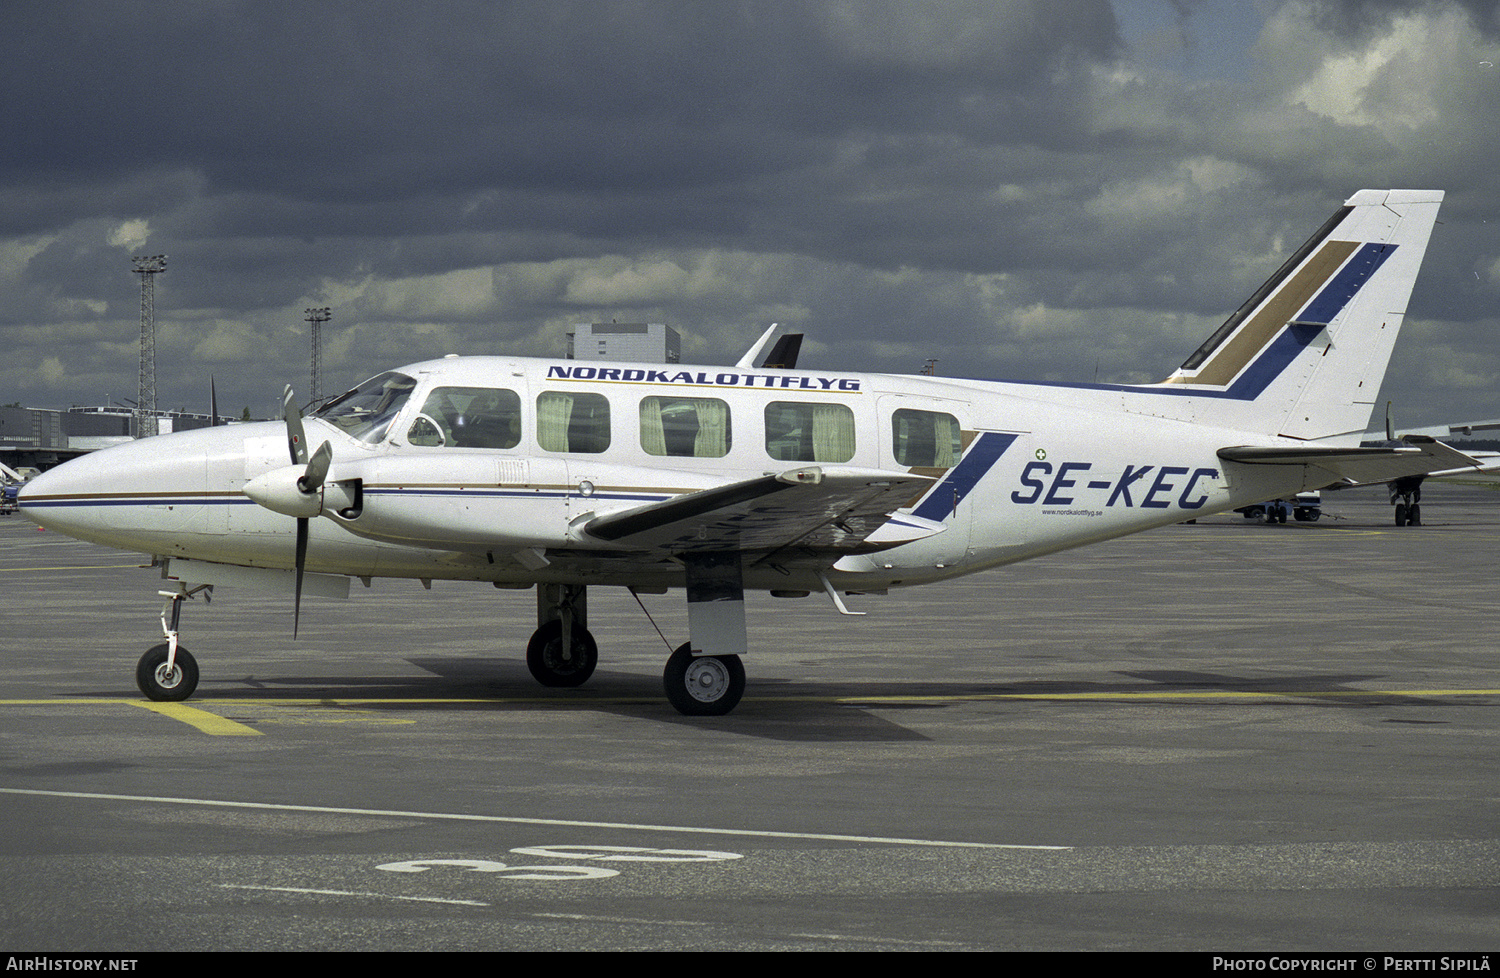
(1414, 515)
(157, 683)
(703, 685)
(544, 656)
(1400, 514)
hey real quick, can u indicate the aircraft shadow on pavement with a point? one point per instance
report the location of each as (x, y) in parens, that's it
(784, 710)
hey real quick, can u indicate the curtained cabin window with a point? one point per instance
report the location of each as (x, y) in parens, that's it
(569, 422)
(926, 439)
(809, 432)
(689, 427)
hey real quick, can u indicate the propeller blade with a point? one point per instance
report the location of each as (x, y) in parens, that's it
(317, 469)
(296, 438)
(301, 565)
(310, 482)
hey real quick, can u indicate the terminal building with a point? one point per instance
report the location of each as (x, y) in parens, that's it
(40, 438)
(632, 342)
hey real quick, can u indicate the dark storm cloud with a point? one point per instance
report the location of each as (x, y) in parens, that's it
(1001, 185)
(365, 106)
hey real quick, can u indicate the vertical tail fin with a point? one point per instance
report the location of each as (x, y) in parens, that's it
(1305, 355)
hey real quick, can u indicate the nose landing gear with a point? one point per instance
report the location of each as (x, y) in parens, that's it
(168, 673)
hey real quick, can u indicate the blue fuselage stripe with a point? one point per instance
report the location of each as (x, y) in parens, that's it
(982, 455)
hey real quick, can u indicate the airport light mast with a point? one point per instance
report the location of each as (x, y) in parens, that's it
(147, 267)
(317, 317)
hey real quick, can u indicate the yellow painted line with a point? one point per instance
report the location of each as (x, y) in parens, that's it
(207, 722)
(893, 698)
(190, 715)
(1165, 695)
(217, 726)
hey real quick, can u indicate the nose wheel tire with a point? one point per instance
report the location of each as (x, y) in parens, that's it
(548, 665)
(165, 685)
(703, 685)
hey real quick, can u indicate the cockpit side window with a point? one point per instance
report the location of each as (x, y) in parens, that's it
(366, 411)
(468, 417)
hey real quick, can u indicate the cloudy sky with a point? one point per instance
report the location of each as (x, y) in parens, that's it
(1031, 189)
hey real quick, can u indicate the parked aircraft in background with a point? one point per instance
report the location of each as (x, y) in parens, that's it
(11, 481)
(565, 475)
(1406, 492)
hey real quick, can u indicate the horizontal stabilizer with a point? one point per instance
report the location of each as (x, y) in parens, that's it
(1419, 455)
(844, 510)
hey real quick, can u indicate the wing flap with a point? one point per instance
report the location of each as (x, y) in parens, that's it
(846, 510)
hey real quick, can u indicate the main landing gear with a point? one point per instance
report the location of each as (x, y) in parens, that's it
(1406, 494)
(561, 652)
(696, 685)
(703, 685)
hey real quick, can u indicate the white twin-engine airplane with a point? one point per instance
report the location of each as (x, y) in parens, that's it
(565, 474)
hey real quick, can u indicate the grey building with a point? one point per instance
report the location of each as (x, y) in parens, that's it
(634, 342)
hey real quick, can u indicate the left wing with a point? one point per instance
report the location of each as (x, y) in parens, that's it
(844, 510)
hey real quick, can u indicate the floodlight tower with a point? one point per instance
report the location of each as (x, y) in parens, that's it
(317, 317)
(147, 267)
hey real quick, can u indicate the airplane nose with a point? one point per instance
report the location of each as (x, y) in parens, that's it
(134, 496)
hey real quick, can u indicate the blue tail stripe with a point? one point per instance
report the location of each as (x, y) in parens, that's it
(1342, 287)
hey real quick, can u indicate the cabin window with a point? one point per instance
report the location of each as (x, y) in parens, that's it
(799, 432)
(367, 411)
(925, 439)
(569, 422)
(468, 417)
(693, 427)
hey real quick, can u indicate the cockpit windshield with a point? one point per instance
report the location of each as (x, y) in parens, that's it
(366, 411)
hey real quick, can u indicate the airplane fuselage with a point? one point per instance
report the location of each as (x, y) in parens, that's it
(1016, 470)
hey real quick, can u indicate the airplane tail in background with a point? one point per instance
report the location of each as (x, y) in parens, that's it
(1305, 355)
